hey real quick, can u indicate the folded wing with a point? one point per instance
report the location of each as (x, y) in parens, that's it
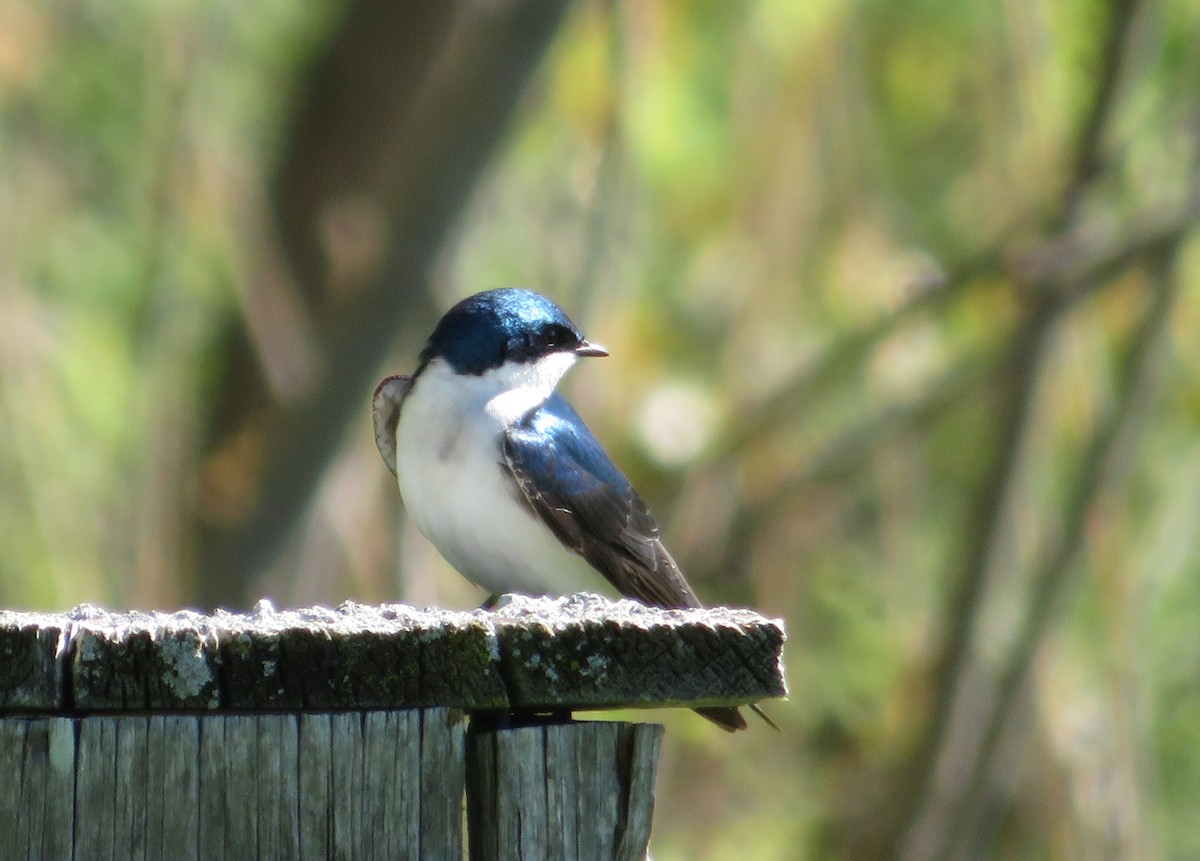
(385, 413)
(569, 481)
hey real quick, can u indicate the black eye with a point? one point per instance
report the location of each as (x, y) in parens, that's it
(551, 338)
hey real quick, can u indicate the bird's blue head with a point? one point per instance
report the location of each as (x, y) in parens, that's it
(490, 329)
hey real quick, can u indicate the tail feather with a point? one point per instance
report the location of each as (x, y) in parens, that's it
(730, 719)
(762, 714)
(727, 718)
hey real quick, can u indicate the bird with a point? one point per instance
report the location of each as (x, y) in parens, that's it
(502, 475)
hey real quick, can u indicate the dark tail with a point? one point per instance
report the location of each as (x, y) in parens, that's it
(727, 718)
(730, 718)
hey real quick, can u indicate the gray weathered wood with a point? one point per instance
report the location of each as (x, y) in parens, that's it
(340, 734)
(95, 784)
(213, 789)
(392, 806)
(349, 785)
(129, 798)
(31, 819)
(276, 771)
(560, 805)
(579, 791)
(239, 819)
(356, 657)
(586, 652)
(580, 652)
(645, 747)
(443, 740)
(57, 772)
(345, 782)
(12, 753)
(32, 661)
(37, 758)
(316, 763)
(173, 787)
(127, 661)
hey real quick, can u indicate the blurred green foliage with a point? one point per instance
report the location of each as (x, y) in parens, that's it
(888, 289)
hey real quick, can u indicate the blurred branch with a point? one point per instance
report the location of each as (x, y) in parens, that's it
(1080, 260)
(848, 451)
(1087, 147)
(1055, 277)
(611, 168)
(1059, 274)
(845, 355)
(1050, 582)
(991, 502)
(398, 119)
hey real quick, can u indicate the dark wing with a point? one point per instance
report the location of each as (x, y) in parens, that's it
(385, 413)
(587, 502)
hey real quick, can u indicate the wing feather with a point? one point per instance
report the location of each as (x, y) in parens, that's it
(385, 413)
(570, 483)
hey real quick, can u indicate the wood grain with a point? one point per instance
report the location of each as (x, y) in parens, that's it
(562, 792)
(582, 652)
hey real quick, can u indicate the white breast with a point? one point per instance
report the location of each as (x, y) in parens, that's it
(457, 488)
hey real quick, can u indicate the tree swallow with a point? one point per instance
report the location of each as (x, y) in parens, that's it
(504, 478)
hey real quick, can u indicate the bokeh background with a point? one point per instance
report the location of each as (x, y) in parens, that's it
(904, 315)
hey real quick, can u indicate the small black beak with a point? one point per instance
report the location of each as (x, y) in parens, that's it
(587, 348)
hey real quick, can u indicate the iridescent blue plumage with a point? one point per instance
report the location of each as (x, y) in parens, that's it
(555, 443)
(484, 331)
(589, 504)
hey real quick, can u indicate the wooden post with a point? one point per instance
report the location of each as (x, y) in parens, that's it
(329, 734)
(561, 792)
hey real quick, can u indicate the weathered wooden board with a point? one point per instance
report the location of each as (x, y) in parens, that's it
(148, 661)
(37, 790)
(173, 787)
(33, 663)
(443, 739)
(94, 831)
(315, 744)
(533, 653)
(374, 786)
(584, 652)
(579, 791)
